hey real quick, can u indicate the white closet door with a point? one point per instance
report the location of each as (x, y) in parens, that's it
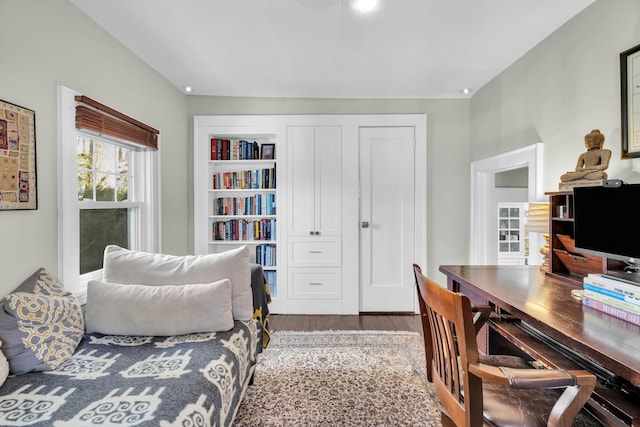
(387, 216)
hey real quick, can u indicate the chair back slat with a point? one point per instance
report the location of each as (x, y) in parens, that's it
(454, 346)
(426, 329)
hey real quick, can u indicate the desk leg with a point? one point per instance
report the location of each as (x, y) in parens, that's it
(452, 285)
(483, 335)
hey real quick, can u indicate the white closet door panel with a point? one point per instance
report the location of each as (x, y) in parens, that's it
(328, 149)
(301, 180)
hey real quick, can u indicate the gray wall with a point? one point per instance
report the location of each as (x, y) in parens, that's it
(515, 178)
(559, 91)
(556, 93)
(50, 43)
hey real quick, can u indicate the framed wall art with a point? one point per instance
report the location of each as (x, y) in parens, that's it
(630, 102)
(268, 151)
(17, 157)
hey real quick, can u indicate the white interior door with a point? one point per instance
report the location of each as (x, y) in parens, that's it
(387, 219)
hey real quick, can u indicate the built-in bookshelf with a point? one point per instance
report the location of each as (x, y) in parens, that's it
(243, 200)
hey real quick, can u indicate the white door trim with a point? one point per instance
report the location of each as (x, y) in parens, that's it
(483, 193)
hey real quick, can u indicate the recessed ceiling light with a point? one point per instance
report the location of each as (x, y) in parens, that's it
(360, 7)
(188, 89)
(466, 91)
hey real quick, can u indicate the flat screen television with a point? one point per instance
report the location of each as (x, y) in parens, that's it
(606, 222)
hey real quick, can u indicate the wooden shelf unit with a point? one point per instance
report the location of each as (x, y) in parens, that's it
(581, 264)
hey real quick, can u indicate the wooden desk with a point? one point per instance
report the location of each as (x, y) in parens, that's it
(562, 328)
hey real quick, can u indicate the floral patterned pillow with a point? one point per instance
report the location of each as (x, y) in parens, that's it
(41, 324)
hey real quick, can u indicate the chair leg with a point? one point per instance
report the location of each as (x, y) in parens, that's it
(446, 421)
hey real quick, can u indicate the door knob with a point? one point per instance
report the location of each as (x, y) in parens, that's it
(365, 224)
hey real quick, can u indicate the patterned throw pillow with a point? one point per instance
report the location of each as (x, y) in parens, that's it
(41, 324)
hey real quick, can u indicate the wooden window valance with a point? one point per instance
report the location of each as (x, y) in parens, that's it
(96, 117)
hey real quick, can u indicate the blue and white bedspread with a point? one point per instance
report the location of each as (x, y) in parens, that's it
(195, 380)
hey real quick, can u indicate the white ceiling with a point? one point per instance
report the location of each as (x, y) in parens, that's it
(314, 49)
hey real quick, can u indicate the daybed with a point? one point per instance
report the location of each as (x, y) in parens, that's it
(132, 378)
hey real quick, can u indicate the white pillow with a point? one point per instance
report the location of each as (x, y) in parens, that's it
(117, 309)
(132, 267)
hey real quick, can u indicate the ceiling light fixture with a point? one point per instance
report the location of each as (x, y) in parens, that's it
(360, 7)
(188, 89)
(466, 91)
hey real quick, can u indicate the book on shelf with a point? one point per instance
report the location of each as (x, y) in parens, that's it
(266, 255)
(613, 311)
(631, 308)
(241, 229)
(272, 282)
(587, 285)
(258, 204)
(216, 149)
(234, 149)
(257, 179)
(608, 282)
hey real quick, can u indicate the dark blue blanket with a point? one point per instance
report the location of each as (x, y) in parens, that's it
(143, 381)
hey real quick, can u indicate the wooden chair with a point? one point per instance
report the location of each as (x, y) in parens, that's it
(472, 393)
(480, 317)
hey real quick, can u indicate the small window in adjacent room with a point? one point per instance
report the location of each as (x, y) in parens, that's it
(511, 242)
(108, 187)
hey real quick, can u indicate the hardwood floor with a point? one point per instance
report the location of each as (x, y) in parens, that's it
(363, 322)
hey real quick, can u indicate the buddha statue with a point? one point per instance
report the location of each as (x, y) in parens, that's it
(592, 163)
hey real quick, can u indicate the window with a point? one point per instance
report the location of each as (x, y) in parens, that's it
(107, 192)
(511, 242)
(104, 175)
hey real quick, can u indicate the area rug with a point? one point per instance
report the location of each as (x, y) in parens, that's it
(341, 378)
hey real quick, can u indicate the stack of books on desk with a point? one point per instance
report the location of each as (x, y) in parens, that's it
(618, 298)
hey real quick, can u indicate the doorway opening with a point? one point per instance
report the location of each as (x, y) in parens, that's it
(484, 197)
